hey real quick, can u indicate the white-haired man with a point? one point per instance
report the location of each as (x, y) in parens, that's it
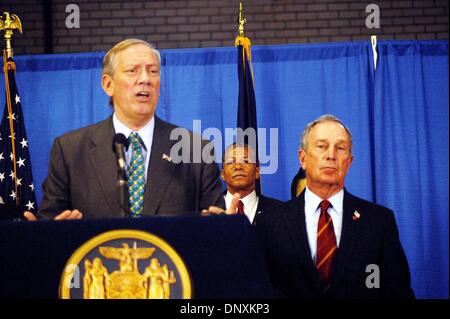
(327, 243)
(82, 176)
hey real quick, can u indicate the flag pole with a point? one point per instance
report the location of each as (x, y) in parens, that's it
(8, 24)
(246, 117)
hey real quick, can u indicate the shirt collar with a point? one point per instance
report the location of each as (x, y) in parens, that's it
(145, 133)
(248, 200)
(312, 201)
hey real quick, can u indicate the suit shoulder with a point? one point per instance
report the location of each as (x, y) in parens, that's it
(281, 209)
(179, 134)
(375, 210)
(269, 202)
(278, 216)
(165, 125)
(169, 128)
(365, 203)
(81, 133)
(270, 199)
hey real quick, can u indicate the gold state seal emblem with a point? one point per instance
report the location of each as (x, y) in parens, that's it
(125, 264)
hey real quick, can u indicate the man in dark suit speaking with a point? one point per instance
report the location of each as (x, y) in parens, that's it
(82, 176)
(327, 243)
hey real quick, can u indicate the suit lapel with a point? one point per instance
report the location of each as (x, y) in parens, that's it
(160, 169)
(261, 202)
(299, 236)
(102, 159)
(351, 232)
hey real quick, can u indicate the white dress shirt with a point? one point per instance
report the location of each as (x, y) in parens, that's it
(250, 204)
(312, 214)
(146, 135)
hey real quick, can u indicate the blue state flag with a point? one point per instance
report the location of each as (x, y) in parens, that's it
(246, 115)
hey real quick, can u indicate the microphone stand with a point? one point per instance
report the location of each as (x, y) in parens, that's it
(122, 189)
(119, 143)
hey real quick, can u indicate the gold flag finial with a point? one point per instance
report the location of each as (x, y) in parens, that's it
(241, 39)
(8, 24)
(241, 20)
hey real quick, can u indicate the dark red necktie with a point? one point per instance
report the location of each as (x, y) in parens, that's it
(240, 208)
(326, 243)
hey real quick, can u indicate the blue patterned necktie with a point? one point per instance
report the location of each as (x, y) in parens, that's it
(136, 178)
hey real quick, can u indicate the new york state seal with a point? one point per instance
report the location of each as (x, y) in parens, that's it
(125, 264)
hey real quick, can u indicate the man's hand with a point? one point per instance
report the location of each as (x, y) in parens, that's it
(214, 210)
(65, 215)
(29, 216)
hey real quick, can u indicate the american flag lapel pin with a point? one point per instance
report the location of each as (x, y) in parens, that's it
(356, 215)
(167, 158)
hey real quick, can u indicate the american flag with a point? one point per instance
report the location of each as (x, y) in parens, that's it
(16, 180)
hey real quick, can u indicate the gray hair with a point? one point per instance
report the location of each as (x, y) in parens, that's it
(109, 61)
(321, 119)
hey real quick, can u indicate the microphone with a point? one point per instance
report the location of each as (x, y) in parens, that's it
(119, 144)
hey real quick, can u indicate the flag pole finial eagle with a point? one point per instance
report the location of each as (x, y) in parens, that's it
(8, 23)
(241, 20)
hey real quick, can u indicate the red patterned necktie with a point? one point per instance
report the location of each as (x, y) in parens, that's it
(240, 208)
(326, 243)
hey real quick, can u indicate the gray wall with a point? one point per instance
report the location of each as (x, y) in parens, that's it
(202, 23)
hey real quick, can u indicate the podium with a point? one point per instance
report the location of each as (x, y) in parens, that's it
(220, 252)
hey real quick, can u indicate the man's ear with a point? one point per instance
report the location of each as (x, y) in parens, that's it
(258, 172)
(222, 175)
(108, 84)
(350, 161)
(302, 158)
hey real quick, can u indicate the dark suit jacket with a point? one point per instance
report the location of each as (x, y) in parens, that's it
(371, 239)
(83, 175)
(265, 203)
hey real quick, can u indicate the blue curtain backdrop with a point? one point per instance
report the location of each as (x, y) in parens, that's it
(411, 105)
(398, 115)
